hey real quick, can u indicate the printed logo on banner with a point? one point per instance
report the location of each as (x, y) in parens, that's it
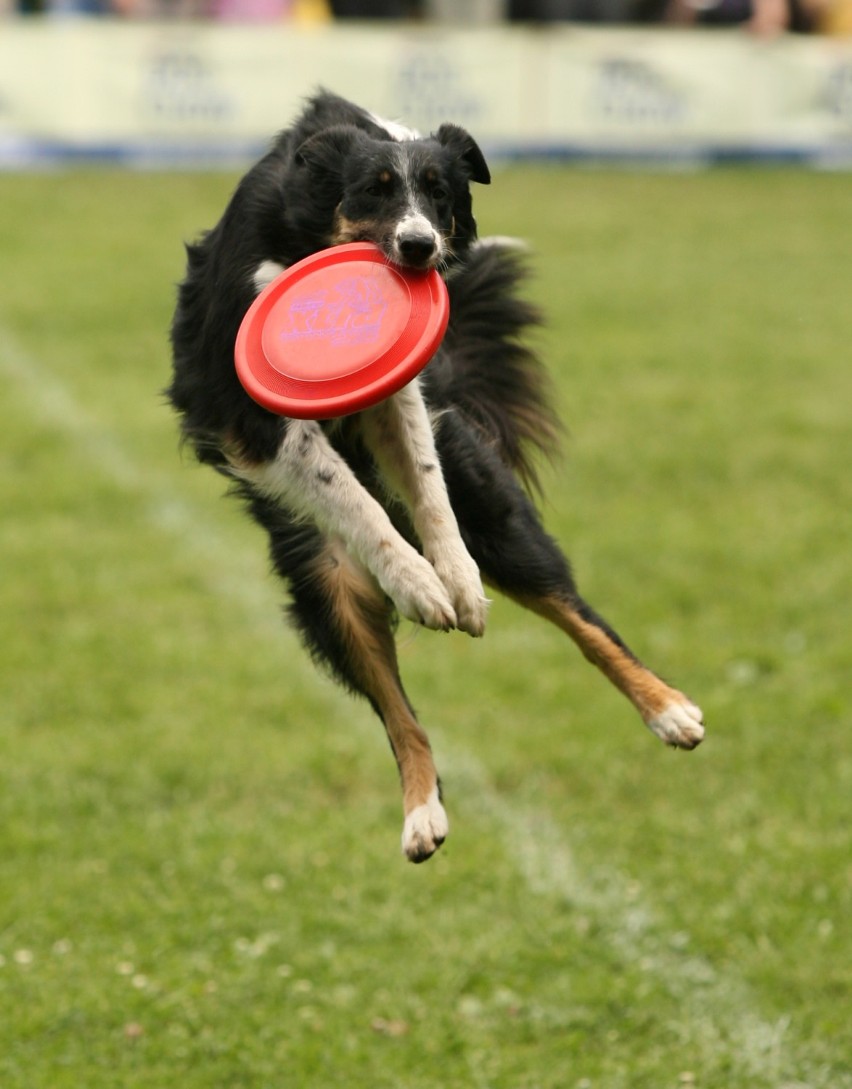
(633, 92)
(839, 92)
(429, 88)
(179, 87)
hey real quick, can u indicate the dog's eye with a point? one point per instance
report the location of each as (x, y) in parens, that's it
(439, 193)
(381, 184)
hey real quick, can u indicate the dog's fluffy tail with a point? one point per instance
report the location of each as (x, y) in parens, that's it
(485, 370)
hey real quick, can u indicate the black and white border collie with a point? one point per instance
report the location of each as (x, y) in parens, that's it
(400, 509)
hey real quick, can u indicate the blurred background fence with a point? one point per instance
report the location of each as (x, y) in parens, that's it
(191, 92)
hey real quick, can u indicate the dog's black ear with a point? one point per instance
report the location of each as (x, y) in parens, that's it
(462, 144)
(326, 151)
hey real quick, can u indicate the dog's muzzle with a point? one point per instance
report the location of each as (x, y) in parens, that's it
(417, 243)
(416, 249)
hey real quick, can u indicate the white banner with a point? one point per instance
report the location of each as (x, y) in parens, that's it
(196, 93)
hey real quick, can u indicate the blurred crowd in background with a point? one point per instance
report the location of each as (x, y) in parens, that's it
(761, 17)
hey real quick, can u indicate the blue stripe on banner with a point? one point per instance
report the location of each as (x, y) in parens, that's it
(34, 154)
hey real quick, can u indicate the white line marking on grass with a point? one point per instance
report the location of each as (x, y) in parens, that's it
(198, 537)
(718, 1013)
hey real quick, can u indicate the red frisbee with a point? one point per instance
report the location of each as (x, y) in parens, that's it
(338, 332)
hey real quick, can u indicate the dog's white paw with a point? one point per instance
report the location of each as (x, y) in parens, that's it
(418, 593)
(680, 724)
(425, 829)
(458, 572)
(472, 610)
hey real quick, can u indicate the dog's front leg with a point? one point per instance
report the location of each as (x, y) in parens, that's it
(314, 483)
(398, 433)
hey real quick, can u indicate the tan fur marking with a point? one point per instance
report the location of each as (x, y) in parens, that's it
(352, 230)
(362, 615)
(649, 695)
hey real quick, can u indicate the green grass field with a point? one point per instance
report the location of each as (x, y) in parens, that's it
(200, 877)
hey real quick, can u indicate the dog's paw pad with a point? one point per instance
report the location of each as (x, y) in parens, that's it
(680, 724)
(425, 829)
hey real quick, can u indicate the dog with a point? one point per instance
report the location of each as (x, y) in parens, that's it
(403, 509)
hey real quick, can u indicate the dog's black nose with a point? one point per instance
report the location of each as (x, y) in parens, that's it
(416, 248)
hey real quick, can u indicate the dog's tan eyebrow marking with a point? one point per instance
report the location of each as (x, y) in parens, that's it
(385, 177)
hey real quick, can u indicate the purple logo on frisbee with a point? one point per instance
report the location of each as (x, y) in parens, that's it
(348, 313)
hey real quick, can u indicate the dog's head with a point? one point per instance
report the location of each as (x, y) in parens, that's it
(409, 197)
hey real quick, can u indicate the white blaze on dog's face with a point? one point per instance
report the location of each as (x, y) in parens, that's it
(415, 232)
(410, 197)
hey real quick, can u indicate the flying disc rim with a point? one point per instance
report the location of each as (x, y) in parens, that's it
(274, 365)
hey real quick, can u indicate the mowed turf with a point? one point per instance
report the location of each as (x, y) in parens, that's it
(200, 876)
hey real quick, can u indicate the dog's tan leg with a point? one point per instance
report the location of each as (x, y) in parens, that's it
(366, 655)
(667, 712)
(398, 433)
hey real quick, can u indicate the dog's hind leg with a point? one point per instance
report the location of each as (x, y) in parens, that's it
(347, 623)
(668, 713)
(503, 532)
